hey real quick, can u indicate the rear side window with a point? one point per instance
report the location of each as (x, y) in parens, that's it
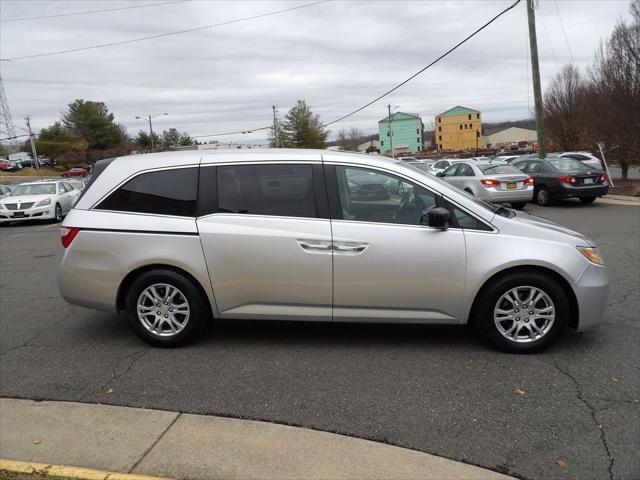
(279, 190)
(165, 192)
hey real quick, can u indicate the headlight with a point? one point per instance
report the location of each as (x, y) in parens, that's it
(592, 254)
(42, 203)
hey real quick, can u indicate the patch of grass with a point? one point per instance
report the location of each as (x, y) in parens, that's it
(5, 475)
(32, 172)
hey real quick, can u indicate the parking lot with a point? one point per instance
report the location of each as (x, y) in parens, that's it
(570, 412)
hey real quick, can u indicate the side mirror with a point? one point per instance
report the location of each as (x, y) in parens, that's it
(438, 217)
(440, 174)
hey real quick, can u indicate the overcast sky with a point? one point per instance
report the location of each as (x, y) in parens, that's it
(336, 55)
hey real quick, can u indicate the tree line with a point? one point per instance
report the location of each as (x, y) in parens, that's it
(600, 105)
(89, 132)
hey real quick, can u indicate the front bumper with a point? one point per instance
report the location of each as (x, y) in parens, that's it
(40, 213)
(592, 294)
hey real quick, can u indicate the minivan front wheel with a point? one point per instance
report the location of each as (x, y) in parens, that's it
(164, 308)
(522, 312)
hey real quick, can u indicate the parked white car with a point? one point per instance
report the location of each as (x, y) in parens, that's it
(38, 201)
(586, 158)
(443, 164)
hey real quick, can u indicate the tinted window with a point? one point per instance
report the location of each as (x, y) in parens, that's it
(442, 164)
(374, 196)
(166, 192)
(466, 221)
(282, 190)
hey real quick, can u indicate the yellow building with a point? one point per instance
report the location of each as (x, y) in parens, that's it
(459, 128)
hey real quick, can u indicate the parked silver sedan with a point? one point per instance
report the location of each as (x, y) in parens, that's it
(494, 182)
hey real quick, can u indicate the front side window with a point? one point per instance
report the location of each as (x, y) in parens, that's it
(465, 171)
(280, 190)
(165, 192)
(451, 171)
(373, 196)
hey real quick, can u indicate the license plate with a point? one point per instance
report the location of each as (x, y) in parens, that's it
(588, 181)
(18, 215)
(512, 185)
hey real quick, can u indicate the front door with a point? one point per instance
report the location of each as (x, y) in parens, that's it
(387, 266)
(266, 237)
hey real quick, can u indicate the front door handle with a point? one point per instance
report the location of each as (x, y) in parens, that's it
(353, 248)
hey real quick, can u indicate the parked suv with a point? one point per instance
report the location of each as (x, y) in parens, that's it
(175, 239)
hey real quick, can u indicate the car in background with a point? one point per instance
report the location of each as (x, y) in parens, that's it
(560, 177)
(75, 172)
(443, 164)
(507, 158)
(10, 165)
(425, 165)
(407, 159)
(38, 201)
(586, 158)
(5, 191)
(77, 184)
(493, 182)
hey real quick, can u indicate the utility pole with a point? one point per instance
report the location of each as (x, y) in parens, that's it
(148, 119)
(275, 128)
(33, 144)
(390, 131)
(535, 74)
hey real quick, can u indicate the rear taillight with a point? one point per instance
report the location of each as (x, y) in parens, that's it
(67, 234)
(568, 179)
(489, 182)
(604, 178)
(528, 181)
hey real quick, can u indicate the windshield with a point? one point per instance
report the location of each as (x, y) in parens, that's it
(35, 189)
(567, 165)
(497, 169)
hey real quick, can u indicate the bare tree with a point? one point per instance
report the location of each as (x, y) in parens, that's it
(565, 108)
(355, 135)
(343, 139)
(614, 96)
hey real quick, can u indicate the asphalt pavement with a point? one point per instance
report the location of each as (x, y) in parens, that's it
(571, 412)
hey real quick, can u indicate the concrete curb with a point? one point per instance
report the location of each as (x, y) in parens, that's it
(142, 442)
(28, 468)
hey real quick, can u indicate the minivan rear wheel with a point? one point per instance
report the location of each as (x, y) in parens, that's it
(522, 312)
(164, 308)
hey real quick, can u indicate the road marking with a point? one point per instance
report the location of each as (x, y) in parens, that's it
(68, 472)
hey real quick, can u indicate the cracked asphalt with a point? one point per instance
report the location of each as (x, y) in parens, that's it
(571, 412)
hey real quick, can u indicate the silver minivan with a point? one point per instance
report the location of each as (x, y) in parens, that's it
(179, 238)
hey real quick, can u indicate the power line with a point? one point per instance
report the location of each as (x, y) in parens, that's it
(168, 34)
(564, 32)
(87, 12)
(404, 82)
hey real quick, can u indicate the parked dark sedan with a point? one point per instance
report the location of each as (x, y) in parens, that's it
(557, 177)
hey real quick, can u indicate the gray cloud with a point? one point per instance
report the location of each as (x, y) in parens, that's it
(337, 56)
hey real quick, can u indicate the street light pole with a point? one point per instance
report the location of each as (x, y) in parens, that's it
(390, 131)
(148, 119)
(33, 144)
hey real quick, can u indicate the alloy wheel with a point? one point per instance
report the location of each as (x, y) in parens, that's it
(524, 314)
(163, 310)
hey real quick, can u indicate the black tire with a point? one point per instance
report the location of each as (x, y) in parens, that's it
(58, 213)
(518, 205)
(198, 312)
(483, 314)
(587, 200)
(543, 196)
